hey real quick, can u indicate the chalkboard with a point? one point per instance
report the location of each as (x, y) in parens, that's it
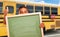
(24, 25)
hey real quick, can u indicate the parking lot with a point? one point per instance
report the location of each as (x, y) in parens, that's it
(52, 33)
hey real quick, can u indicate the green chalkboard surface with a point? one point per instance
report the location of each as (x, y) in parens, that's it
(24, 25)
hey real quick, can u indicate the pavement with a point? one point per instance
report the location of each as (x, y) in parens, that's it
(51, 33)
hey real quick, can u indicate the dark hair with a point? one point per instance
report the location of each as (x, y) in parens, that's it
(23, 7)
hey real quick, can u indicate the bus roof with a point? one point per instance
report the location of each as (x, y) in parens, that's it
(42, 2)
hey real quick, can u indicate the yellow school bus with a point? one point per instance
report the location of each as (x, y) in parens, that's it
(12, 11)
(45, 9)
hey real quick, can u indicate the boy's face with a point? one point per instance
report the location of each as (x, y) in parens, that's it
(23, 11)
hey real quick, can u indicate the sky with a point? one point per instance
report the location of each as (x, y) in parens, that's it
(49, 1)
(44, 1)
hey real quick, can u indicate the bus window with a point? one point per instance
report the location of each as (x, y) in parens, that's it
(54, 11)
(17, 7)
(46, 10)
(1, 7)
(39, 9)
(30, 8)
(11, 9)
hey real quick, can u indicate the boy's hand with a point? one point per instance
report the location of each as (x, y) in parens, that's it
(42, 25)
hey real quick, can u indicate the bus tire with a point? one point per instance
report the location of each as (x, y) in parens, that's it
(44, 30)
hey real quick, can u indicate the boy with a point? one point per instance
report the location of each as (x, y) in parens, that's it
(23, 10)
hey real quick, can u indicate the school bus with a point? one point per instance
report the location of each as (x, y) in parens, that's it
(46, 10)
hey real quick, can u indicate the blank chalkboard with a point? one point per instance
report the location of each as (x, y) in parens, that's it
(24, 25)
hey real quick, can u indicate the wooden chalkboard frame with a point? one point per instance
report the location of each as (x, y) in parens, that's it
(39, 13)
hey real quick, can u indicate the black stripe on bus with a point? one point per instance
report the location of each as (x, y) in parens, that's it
(50, 18)
(47, 21)
(3, 36)
(1, 21)
(1, 18)
(1, 13)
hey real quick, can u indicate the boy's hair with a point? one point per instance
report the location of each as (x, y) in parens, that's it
(23, 7)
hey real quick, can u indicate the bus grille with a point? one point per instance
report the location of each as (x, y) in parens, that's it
(57, 23)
